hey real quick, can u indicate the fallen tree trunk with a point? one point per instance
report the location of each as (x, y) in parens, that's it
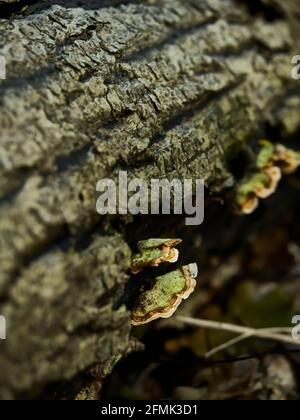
(162, 88)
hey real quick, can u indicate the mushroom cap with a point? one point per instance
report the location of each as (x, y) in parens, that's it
(193, 270)
(258, 185)
(158, 242)
(287, 159)
(166, 295)
(250, 205)
(265, 155)
(144, 259)
(154, 252)
(173, 256)
(274, 175)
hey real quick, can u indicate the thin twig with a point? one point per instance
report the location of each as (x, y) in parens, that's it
(241, 338)
(226, 345)
(238, 329)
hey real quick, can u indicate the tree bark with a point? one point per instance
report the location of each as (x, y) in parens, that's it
(162, 88)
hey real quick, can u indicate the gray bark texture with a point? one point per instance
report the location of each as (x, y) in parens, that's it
(159, 88)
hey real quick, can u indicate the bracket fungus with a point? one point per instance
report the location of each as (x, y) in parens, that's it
(265, 155)
(258, 185)
(278, 155)
(272, 177)
(272, 161)
(287, 159)
(154, 252)
(165, 296)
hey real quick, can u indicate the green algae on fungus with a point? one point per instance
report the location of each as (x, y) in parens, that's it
(253, 187)
(265, 155)
(271, 162)
(166, 295)
(153, 252)
(288, 160)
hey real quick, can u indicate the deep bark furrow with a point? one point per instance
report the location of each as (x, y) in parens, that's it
(114, 100)
(100, 106)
